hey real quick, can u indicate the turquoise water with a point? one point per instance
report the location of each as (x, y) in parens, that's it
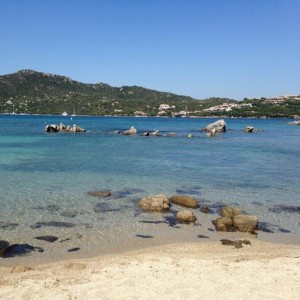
(43, 175)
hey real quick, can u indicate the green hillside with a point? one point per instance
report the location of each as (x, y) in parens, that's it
(32, 92)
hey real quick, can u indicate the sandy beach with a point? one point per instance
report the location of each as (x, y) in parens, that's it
(207, 270)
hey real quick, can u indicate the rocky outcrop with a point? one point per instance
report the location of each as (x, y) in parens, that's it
(155, 203)
(185, 201)
(131, 131)
(61, 127)
(218, 126)
(186, 216)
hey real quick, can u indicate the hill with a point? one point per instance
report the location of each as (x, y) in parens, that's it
(31, 92)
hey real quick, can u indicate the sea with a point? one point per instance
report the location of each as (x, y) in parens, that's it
(47, 180)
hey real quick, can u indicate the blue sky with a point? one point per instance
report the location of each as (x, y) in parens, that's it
(199, 48)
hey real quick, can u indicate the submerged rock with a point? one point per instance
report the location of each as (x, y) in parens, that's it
(52, 223)
(285, 208)
(185, 201)
(69, 213)
(205, 209)
(47, 238)
(104, 207)
(100, 193)
(7, 250)
(189, 190)
(8, 226)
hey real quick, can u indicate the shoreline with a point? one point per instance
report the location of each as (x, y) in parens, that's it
(261, 270)
(56, 252)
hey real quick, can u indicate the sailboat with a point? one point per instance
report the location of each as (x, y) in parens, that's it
(74, 112)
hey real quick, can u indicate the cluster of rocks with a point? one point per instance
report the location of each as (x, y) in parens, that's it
(232, 219)
(220, 126)
(63, 128)
(211, 130)
(133, 131)
(160, 203)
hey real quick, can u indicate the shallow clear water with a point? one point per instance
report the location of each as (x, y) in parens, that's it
(43, 175)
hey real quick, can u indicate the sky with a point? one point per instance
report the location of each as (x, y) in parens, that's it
(200, 48)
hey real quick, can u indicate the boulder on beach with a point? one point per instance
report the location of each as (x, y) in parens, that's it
(131, 131)
(218, 126)
(155, 203)
(186, 201)
(245, 223)
(223, 224)
(186, 216)
(228, 211)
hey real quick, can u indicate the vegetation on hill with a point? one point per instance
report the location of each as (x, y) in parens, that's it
(34, 92)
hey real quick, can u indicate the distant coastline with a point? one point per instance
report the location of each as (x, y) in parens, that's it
(31, 92)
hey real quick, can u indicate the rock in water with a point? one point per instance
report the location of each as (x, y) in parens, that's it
(131, 131)
(205, 209)
(155, 203)
(218, 126)
(185, 201)
(249, 129)
(186, 216)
